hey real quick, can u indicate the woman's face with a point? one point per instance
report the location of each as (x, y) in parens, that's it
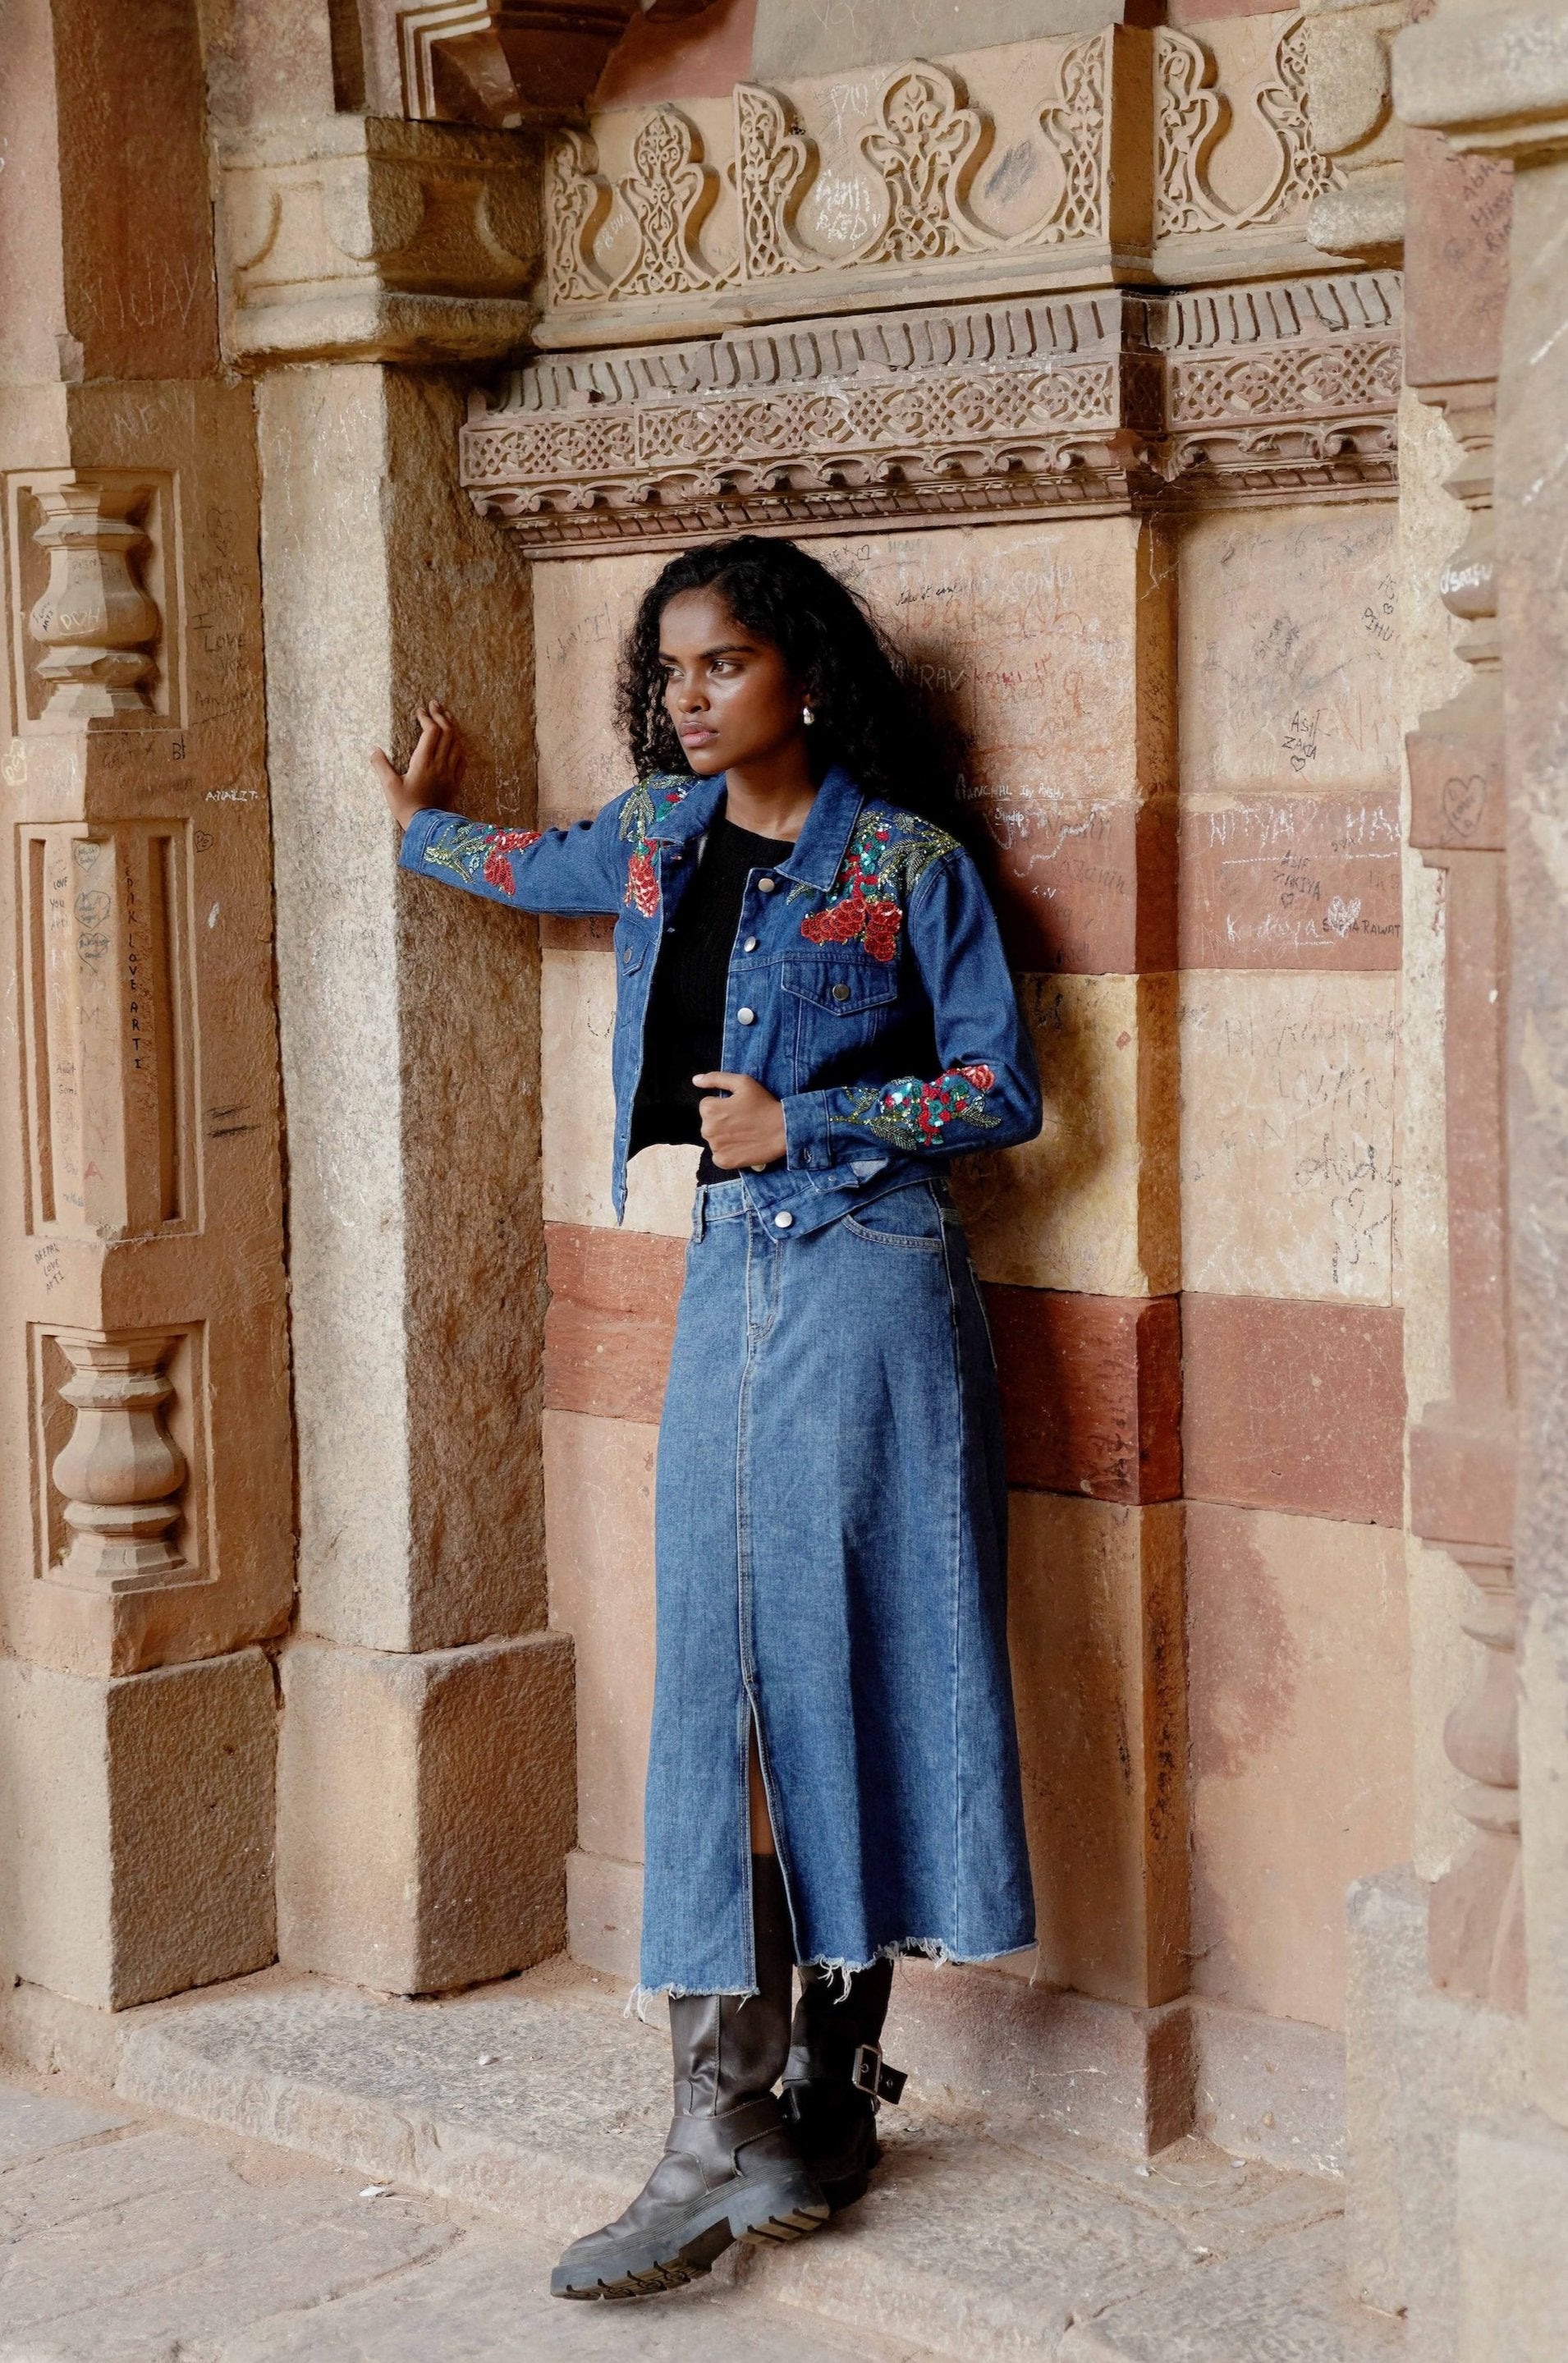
(730, 694)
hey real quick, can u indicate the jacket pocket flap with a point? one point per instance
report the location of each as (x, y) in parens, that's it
(840, 987)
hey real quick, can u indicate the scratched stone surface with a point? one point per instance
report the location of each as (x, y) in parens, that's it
(1288, 1185)
(577, 1020)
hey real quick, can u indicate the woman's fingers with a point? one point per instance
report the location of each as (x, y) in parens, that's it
(722, 1082)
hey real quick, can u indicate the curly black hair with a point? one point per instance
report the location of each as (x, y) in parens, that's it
(869, 718)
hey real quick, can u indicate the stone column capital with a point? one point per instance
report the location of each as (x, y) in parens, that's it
(360, 237)
(1493, 78)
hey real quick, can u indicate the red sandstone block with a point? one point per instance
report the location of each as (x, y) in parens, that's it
(1090, 896)
(1289, 1405)
(1091, 1392)
(611, 1319)
(1291, 881)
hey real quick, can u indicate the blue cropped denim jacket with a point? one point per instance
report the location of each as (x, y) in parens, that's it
(875, 923)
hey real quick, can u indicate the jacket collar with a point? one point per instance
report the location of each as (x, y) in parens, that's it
(821, 847)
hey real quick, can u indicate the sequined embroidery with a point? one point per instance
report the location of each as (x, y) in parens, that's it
(471, 850)
(914, 1116)
(646, 804)
(888, 855)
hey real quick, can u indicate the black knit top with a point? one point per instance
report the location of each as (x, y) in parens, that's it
(684, 1034)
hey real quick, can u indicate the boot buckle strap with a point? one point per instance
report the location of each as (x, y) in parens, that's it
(872, 2074)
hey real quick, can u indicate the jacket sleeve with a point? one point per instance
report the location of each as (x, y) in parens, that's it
(573, 872)
(988, 1094)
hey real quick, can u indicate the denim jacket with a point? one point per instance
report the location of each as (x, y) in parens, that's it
(873, 939)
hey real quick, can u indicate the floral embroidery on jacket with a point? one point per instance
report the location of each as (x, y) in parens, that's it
(645, 805)
(914, 1116)
(888, 854)
(473, 849)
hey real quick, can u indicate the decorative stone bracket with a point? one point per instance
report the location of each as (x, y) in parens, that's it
(499, 63)
(88, 556)
(376, 239)
(1283, 390)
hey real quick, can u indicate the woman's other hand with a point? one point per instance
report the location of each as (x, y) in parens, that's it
(747, 1128)
(434, 771)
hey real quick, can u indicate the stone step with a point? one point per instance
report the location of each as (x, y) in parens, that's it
(542, 2101)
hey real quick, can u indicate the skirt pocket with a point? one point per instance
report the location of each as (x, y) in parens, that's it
(909, 1217)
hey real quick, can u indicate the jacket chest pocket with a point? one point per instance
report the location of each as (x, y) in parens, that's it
(839, 1007)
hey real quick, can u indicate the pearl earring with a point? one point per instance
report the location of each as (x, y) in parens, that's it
(807, 716)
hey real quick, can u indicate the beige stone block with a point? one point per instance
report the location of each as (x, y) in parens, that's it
(577, 1023)
(599, 1510)
(1513, 2206)
(794, 40)
(604, 1913)
(1299, 1696)
(1288, 1180)
(425, 1810)
(583, 608)
(1288, 639)
(1094, 1629)
(409, 1025)
(1091, 1204)
(136, 1827)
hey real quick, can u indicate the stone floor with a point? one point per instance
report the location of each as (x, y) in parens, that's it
(287, 2168)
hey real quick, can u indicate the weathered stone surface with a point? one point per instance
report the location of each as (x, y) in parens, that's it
(1090, 1392)
(425, 1804)
(1299, 1706)
(136, 1843)
(1513, 2204)
(1091, 1204)
(794, 40)
(1095, 1629)
(1287, 1182)
(1250, 1363)
(1385, 1918)
(1291, 881)
(599, 1492)
(1270, 2088)
(1456, 2062)
(612, 1320)
(1290, 2300)
(416, 1337)
(604, 1913)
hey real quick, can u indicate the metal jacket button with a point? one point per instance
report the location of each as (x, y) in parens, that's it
(746, 1017)
(841, 992)
(782, 1222)
(765, 885)
(749, 944)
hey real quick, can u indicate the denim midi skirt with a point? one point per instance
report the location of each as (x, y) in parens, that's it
(832, 1539)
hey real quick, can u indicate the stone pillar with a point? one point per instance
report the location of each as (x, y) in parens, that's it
(425, 1778)
(144, 1383)
(1495, 81)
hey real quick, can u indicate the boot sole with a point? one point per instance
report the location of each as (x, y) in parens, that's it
(779, 2213)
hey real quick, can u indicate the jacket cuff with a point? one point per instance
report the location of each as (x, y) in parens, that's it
(418, 835)
(808, 1135)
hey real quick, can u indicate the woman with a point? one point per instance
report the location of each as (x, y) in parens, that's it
(810, 988)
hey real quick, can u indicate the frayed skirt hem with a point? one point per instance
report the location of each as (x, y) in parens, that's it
(936, 1949)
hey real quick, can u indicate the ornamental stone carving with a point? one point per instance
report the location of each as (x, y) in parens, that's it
(96, 625)
(998, 169)
(1118, 399)
(120, 1473)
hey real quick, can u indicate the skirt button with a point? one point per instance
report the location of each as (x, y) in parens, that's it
(782, 1222)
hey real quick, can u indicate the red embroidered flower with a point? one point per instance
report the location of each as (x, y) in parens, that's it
(498, 871)
(982, 1076)
(642, 885)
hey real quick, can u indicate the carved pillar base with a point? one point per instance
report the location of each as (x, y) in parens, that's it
(1475, 1933)
(121, 1471)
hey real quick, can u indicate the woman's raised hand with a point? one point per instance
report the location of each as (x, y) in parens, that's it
(435, 770)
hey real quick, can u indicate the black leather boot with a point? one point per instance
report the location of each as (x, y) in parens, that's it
(835, 2075)
(731, 2168)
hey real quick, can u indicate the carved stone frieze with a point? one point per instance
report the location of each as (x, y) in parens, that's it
(376, 239)
(1120, 155)
(1119, 399)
